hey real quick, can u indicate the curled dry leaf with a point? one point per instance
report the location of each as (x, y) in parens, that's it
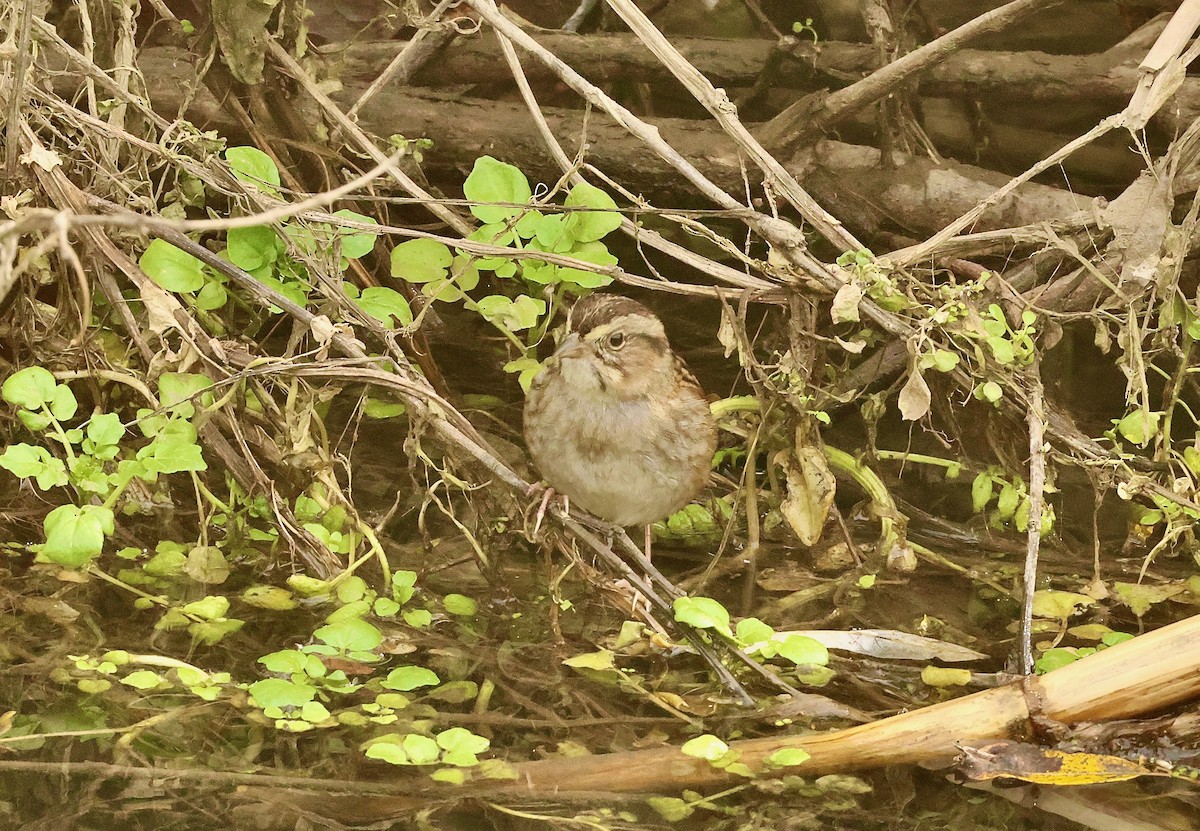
(810, 489)
(915, 397)
(845, 303)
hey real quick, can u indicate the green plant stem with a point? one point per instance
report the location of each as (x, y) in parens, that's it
(711, 799)
(110, 501)
(736, 404)
(158, 600)
(61, 435)
(864, 476)
(209, 496)
(918, 458)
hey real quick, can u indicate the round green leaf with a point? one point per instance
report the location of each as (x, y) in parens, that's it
(356, 243)
(172, 268)
(421, 260)
(384, 304)
(30, 388)
(279, 692)
(707, 747)
(703, 613)
(252, 248)
(588, 226)
(495, 181)
(354, 634)
(252, 166)
(408, 678)
(75, 535)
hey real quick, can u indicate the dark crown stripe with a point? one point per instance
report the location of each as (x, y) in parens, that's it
(598, 309)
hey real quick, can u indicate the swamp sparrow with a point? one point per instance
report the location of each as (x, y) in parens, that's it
(616, 422)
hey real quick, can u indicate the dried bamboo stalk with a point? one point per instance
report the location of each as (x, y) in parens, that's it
(1148, 673)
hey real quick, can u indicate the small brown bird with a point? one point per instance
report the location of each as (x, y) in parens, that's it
(616, 422)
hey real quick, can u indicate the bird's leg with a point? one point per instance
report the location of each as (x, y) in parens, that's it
(547, 494)
(649, 537)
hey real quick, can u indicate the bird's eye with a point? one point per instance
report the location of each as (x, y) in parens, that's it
(616, 340)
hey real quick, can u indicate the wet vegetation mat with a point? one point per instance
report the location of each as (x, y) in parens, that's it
(714, 415)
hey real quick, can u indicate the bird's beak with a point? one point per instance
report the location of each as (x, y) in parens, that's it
(572, 347)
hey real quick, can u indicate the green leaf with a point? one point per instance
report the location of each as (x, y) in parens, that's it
(1058, 604)
(350, 635)
(177, 389)
(703, 613)
(1002, 350)
(1139, 427)
(274, 598)
(408, 678)
(25, 460)
(591, 252)
(212, 296)
(143, 679)
(376, 408)
(501, 236)
(384, 304)
(1056, 658)
(75, 535)
(388, 752)
(105, 429)
(279, 692)
(788, 757)
(981, 492)
(206, 564)
(34, 422)
(172, 268)
(209, 632)
(403, 583)
(450, 776)
(253, 166)
(592, 225)
(600, 661)
(212, 607)
(355, 243)
(512, 315)
(800, 649)
(351, 589)
(31, 388)
(707, 747)
(252, 248)
(670, 808)
(63, 405)
(491, 180)
(554, 234)
(751, 630)
(89, 475)
(168, 560)
(291, 290)
(174, 449)
(1006, 503)
(292, 662)
(528, 369)
(461, 746)
(421, 750)
(421, 260)
(461, 605)
(944, 360)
